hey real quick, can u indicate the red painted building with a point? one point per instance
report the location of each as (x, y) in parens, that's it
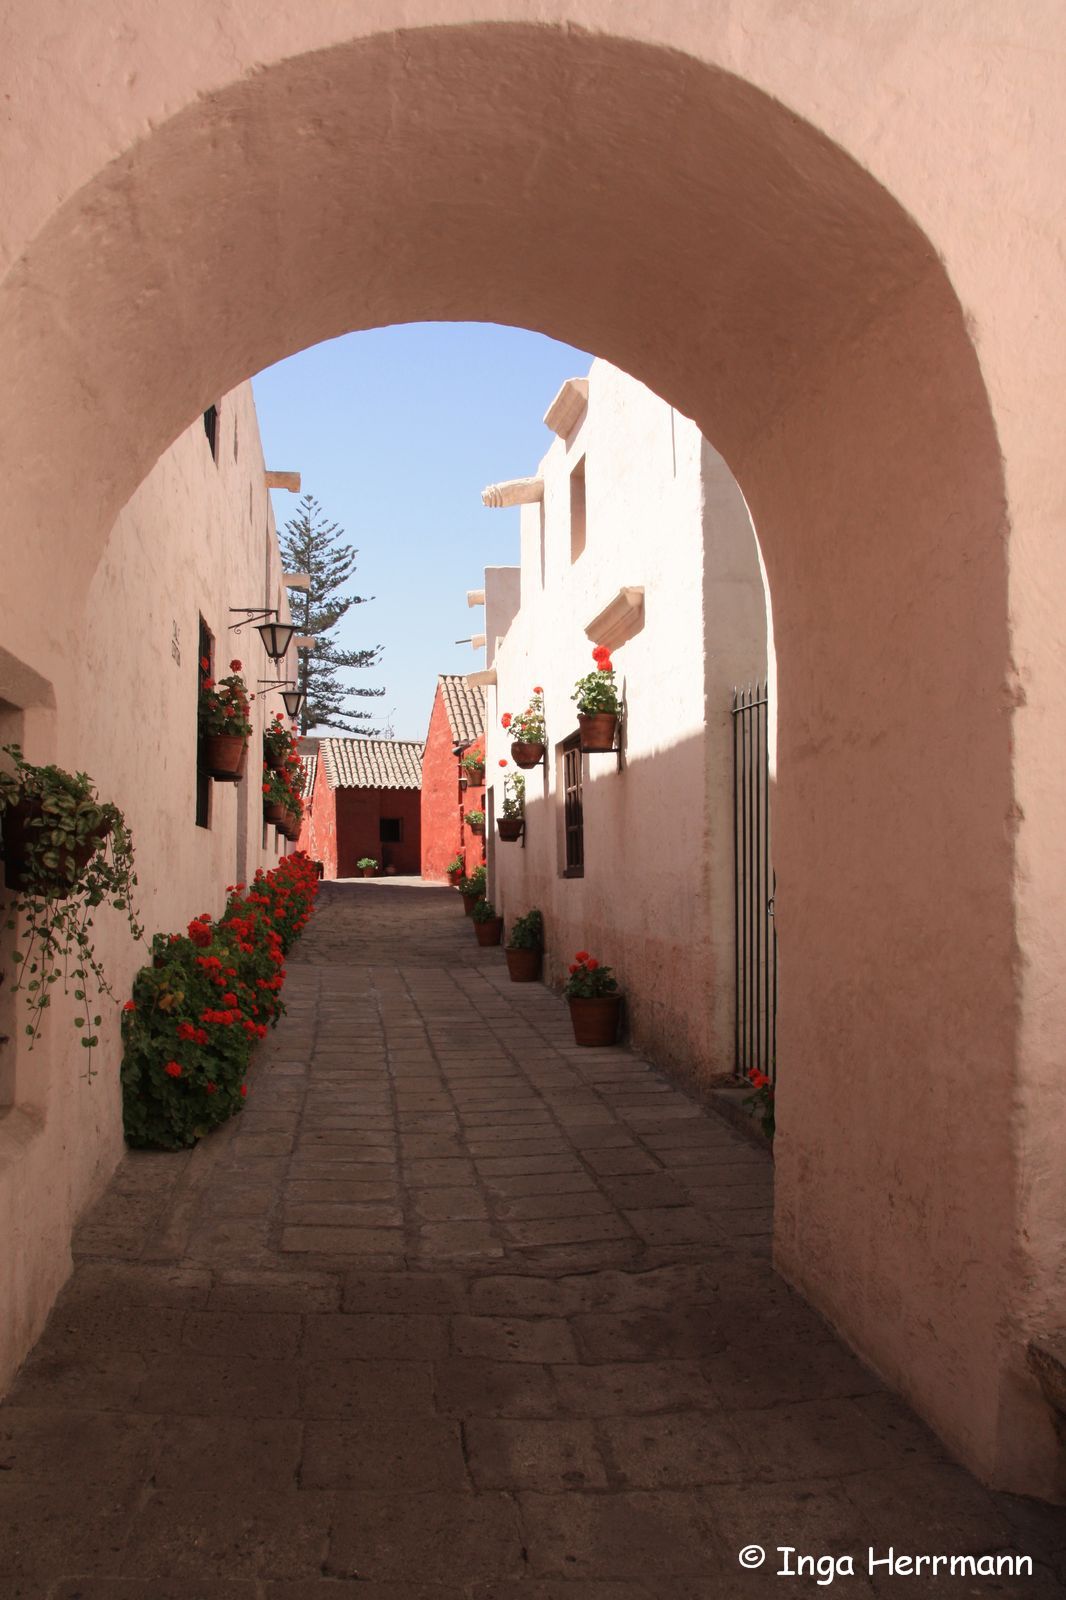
(456, 725)
(362, 798)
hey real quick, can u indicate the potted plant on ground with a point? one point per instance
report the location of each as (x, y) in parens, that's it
(488, 927)
(511, 820)
(525, 948)
(473, 767)
(597, 703)
(455, 869)
(594, 999)
(472, 889)
(475, 821)
(527, 731)
(367, 866)
(761, 1101)
(224, 724)
(66, 852)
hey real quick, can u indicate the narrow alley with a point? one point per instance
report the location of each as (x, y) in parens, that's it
(456, 1309)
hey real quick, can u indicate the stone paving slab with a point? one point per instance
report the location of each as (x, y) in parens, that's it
(456, 1309)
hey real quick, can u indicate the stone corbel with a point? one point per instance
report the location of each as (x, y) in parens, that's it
(566, 410)
(475, 597)
(619, 620)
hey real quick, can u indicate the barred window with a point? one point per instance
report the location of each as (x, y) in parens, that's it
(573, 822)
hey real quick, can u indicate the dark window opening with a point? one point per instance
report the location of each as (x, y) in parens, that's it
(573, 819)
(205, 652)
(211, 429)
(390, 830)
(577, 510)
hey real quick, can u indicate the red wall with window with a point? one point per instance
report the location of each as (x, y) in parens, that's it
(361, 814)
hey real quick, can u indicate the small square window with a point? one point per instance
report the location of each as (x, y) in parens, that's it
(211, 429)
(390, 830)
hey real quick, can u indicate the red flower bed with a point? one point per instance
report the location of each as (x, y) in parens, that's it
(207, 999)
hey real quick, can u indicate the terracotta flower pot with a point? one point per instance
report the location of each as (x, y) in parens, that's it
(598, 729)
(595, 1019)
(526, 755)
(273, 812)
(272, 759)
(222, 755)
(470, 901)
(475, 776)
(524, 965)
(21, 836)
(368, 872)
(510, 827)
(489, 932)
(477, 829)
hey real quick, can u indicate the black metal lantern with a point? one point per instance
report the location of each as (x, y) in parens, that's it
(276, 637)
(294, 701)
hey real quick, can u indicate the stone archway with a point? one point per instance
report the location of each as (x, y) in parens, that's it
(678, 220)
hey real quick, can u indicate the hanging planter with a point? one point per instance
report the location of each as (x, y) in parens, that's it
(455, 869)
(488, 927)
(224, 724)
(472, 767)
(527, 732)
(222, 756)
(595, 1003)
(511, 821)
(274, 812)
(66, 853)
(598, 729)
(24, 865)
(475, 821)
(527, 753)
(597, 703)
(525, 948)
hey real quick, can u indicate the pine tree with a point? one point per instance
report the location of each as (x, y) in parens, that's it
(312, 544)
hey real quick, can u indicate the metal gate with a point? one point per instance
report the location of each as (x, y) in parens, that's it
(756, 934)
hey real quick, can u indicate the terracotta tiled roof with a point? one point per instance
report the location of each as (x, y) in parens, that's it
(465, 707)
(372, 763)
(310, 768)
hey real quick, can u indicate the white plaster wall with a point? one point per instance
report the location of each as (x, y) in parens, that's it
(196, 538)
(655, 901)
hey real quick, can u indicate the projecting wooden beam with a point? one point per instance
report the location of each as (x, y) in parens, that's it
(283, 480)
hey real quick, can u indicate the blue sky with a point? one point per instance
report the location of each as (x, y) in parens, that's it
(395, 432)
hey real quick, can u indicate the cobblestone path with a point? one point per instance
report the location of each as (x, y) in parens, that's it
(455, 1309)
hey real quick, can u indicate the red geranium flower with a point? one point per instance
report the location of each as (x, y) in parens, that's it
(503, 761)
(505, 720)
(208, 683)
(582, 956)
(573, 969)
(244, 1091)
(210, 1088)
(600, 652)
(172, 1069)
(592, 963)
(131, 1005)
(235, 666)
(537, 689)
(205, 664)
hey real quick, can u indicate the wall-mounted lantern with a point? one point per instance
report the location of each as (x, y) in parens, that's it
(274, 634)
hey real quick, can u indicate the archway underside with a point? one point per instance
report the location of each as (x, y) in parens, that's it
(644, 205)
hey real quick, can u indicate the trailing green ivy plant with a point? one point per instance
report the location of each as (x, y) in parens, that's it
(66, 853)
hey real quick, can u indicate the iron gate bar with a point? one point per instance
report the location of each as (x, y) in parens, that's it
(755, 961)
